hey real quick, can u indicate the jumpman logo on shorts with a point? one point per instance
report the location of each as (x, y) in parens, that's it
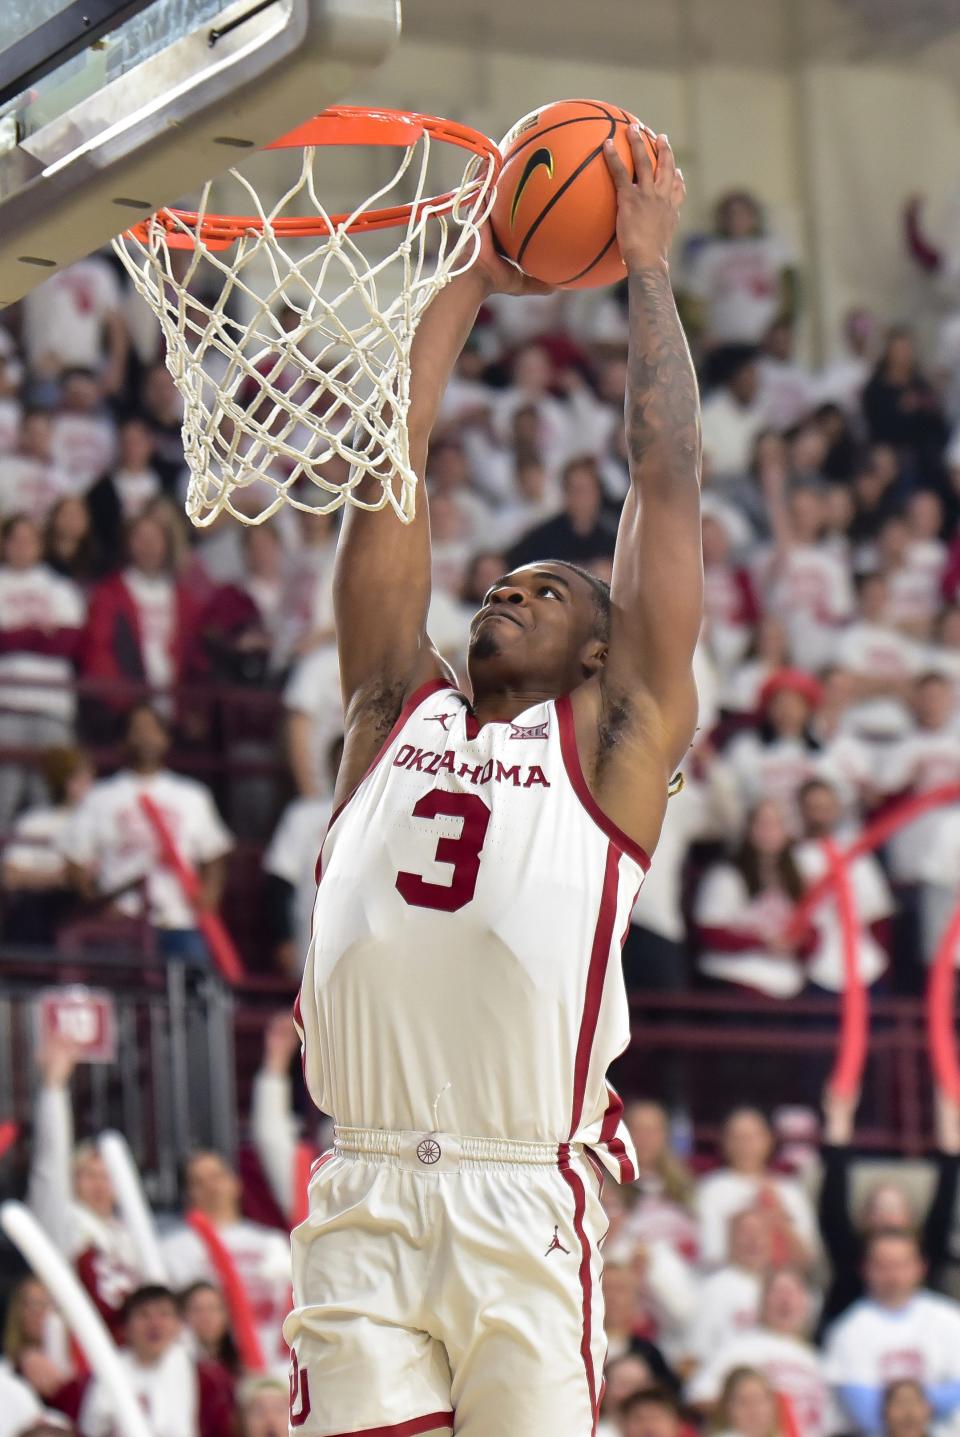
(556, 1244)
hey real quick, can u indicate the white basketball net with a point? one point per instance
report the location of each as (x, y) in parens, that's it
(307, 393)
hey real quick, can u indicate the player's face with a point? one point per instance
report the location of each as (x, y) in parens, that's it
(536, 628)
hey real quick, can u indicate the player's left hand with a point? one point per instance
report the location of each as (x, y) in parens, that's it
(498, 274)
(648, 204)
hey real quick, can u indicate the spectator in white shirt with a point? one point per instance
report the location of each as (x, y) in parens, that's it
(115, 854)
(260, 1255)
(913, 584)
(35, 879)
(74, 319)
(743, 908)
(805, 581)
(30, 481)
(774, 759)
(72, 1196)
(748, 1183)
(921, 761)
(882, 661)
(84, 440)
(873, 904)
(779, 1348)
(938, 872)
(21, 1413)
(41, 617)
(899, 1329)
(732, 417)
(787, 390)
(843, 379)
(740, 279)
(729, 1299)
(179, 1396)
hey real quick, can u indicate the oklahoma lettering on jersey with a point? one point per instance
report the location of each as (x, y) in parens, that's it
(464, 971)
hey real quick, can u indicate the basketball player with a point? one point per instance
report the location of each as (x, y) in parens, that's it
(462, 997)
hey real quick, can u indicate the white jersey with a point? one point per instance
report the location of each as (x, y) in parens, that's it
(464, 970)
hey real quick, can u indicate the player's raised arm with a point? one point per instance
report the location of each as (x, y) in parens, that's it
(382, 575)
(657, 590)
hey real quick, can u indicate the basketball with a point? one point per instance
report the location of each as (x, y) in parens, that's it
(555, 214)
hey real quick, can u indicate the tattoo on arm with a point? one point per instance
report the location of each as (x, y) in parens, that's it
(662, 404)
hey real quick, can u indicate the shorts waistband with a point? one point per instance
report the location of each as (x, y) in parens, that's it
(445, 1152)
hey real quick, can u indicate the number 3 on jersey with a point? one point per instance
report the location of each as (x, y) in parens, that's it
(462, 852)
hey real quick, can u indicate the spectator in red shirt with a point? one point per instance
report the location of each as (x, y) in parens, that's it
(142, 620)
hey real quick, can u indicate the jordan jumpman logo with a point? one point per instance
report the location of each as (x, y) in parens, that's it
(555, 1243)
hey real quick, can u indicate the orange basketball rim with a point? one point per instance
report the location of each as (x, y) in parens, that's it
(338, 125)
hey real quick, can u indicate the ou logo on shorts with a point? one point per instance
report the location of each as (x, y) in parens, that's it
(299, 1393)
(428, 1151)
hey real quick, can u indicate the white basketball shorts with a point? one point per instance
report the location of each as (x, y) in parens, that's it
(447, 1283)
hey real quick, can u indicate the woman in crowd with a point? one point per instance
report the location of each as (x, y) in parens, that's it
(902, 409)
(748, 1407)
(207, 1323)
(747, 1181)
(743, 909)
(35, 1340)
(71, 547)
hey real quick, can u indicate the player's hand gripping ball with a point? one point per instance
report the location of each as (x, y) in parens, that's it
(555, 214)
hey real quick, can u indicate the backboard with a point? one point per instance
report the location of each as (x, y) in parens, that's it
(110, 109)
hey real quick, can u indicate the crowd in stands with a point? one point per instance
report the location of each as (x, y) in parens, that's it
(136, 655)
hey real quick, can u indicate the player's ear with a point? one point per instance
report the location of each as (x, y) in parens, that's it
(593, 656)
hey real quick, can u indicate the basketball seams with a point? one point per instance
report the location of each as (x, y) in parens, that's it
(561, 124)
(588, 267)
(559, 193)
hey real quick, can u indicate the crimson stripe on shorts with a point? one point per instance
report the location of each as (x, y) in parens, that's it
(575, 1184)
(608, 1135)
(596, 973)
(403, 1429)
